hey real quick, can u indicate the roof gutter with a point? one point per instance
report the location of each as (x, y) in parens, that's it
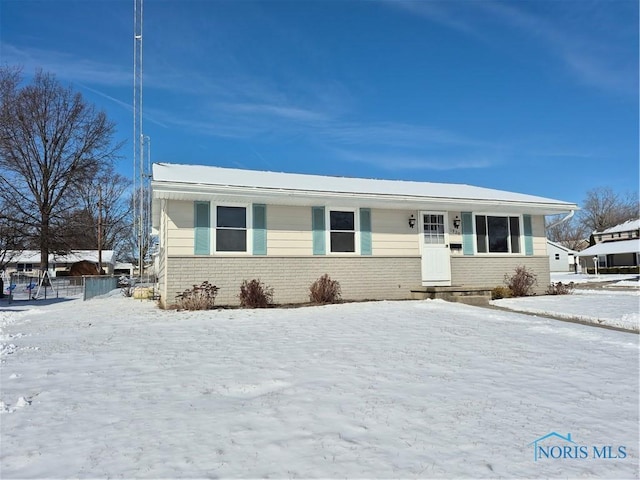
(169, 189)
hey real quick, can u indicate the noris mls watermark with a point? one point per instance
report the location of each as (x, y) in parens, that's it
(554, 446)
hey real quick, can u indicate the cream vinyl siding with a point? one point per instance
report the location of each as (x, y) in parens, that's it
(391, 235)
(180, 230)
(289, 230)
(539, 235)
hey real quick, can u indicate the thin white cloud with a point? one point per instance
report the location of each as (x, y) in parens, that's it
(606, 58)
(396, 134)
(595, 60)
(402, 161)
(438, 12)
(66, 66)
(281, 111)
(125, 105)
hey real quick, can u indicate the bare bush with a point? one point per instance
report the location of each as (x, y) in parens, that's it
(200, 297)
(521, 282)
(560, 288)
(324, 290)
(255, 294)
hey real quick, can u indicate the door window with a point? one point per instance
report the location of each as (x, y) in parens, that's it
(433, 228)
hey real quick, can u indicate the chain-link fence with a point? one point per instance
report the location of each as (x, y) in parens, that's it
(21, 286)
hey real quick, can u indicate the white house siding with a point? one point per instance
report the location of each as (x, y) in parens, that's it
(361, 278)
(539, 235)
(559, 259)
(489, 271)
(289, 230)
(180, 229)
(391, 234)
(290, 267)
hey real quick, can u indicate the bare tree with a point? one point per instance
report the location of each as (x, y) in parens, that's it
(571, 233)
(11, 235)
(604, 208)
(103, 219)
(51, 142)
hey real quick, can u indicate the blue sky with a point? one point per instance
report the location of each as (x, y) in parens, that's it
(539, 97)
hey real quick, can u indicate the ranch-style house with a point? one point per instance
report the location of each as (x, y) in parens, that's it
(380, 239)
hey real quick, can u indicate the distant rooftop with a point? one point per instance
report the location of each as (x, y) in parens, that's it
(627, 226)
(33, 256)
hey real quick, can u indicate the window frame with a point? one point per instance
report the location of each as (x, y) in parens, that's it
(356, 230)
(508, 216)
(248, 229)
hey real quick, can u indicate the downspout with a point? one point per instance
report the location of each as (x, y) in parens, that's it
(562, 220)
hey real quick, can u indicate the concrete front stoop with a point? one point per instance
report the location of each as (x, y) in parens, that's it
(469, 295)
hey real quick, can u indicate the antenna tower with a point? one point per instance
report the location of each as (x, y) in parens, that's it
(141, 169)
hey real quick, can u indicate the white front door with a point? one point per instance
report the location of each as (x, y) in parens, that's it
(436, 265)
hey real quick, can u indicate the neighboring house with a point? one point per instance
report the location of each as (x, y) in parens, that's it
(378, 238)
(561, 258)
(123, 268)
(28, 261)
(616, 247)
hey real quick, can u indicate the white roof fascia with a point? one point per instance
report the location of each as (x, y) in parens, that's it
(175, 191)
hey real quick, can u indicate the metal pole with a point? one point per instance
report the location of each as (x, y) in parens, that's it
(99, 229)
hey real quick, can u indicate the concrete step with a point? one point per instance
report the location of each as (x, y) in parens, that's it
(467, 295)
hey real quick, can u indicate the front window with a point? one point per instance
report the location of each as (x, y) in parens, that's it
(495, 234)
(231, 229)
(24, 267)
(342, 231)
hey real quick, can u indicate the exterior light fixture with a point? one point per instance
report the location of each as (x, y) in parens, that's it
(456, 222)
(412, 221)
(595, 264)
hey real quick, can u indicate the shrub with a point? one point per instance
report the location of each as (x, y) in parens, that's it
(324, 290)
(560, 288)
(521, 282)
(200, 297)
(255, 294)
(500, 292)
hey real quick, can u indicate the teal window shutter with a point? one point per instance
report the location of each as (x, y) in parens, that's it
(259, 229)
(365, 231)
(317, 225)
(528, 234)
(202, 219)
(467, 233)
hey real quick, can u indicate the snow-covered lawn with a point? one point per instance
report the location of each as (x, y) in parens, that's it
(621, 280)
(610, 305)
(116, 388)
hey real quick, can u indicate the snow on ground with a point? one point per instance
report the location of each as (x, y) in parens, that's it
(611, 305)
(621, 280)
(114, 387)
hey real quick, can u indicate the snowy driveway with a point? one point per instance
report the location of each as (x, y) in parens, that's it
(116, 388)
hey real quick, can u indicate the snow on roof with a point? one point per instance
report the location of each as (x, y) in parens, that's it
(609, 248)
(561, 247)
(623, 227)
(33, 256)
(208, 175)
